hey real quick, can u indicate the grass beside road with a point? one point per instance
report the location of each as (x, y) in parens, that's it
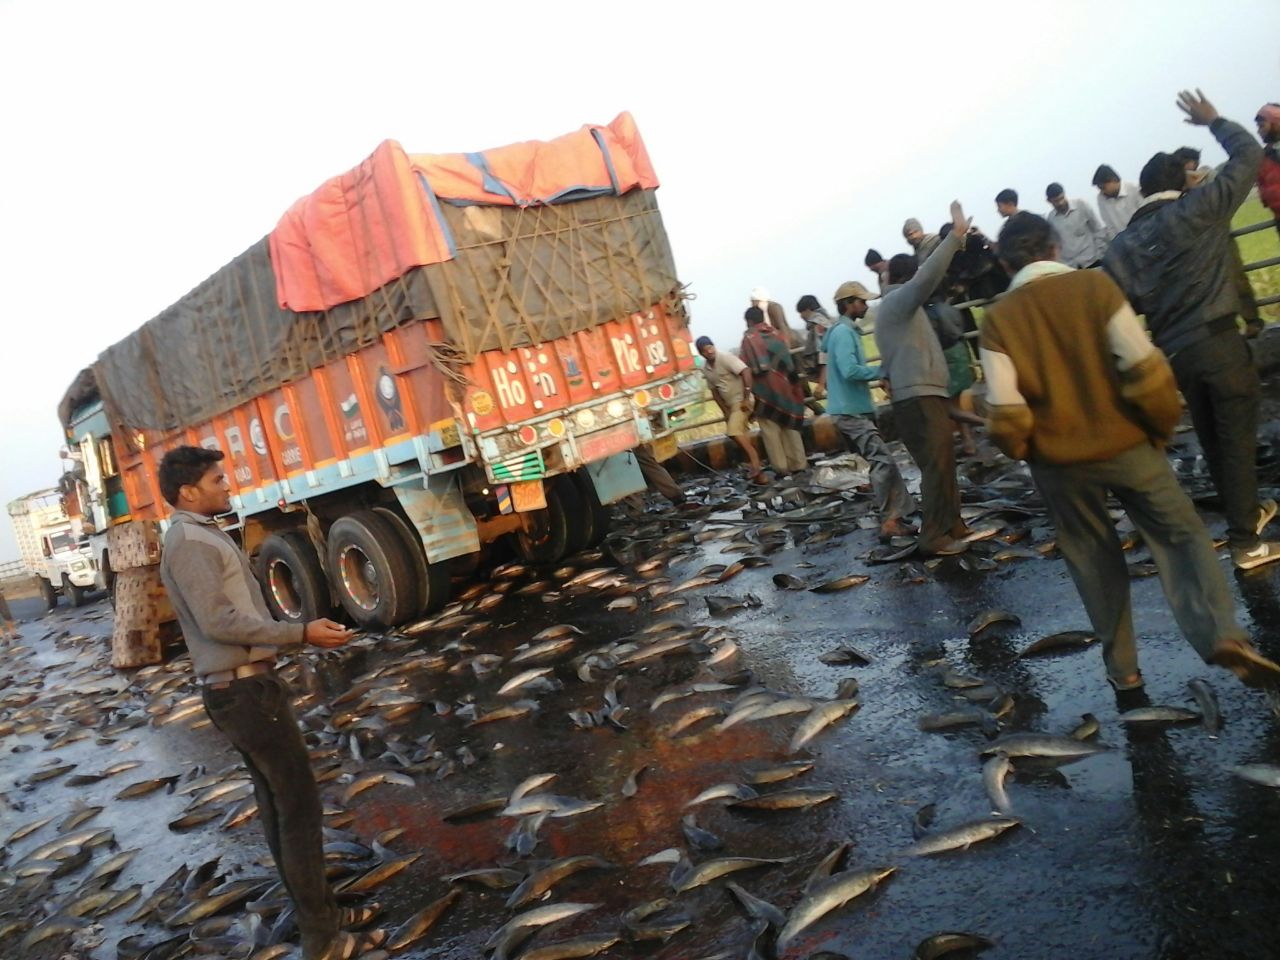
(1262, 245)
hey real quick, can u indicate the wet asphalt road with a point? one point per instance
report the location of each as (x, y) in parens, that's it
(1152, 849)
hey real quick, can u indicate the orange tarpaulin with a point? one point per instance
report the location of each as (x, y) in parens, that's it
(363, 229)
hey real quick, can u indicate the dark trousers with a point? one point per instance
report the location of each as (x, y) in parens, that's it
(656, 475)
(1193, 581)
(925, 428)
(1220, 384)
(255, 715)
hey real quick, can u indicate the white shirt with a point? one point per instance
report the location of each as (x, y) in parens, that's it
(1117, 210)
(1079, 234)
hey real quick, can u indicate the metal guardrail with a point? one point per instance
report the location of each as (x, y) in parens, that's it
(13, 569)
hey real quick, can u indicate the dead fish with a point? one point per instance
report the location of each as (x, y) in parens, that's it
(1086, 728)
(951, 720)
(847, 689)
(1043, 745)
(623, 603)
(795, 799)
(230, 894)
(827, 866)
(731, 571)
(819, 718)
(144, 787)
(776, 774)
(963, 836)
(479, 809)
(545, 650)
(77, 817)
(945, 944)
(632, 784)
(989, 618)
(54, 926)
(560, 629)
(994, 773)
(1264, 774)
(494, 878)
(523, 680)
(831, 894)
(697, 837)
(692, 717)
(587, 945)
(755, 908)
(845, 656)
(539, 882)
(723, 791)
(26, 830)
(1207, 701)
(785, 581)
(518, 929)
(1159, 714)
(720, 605)
(513, 711)
(922, 820)
(360, 784)
(840, 583)
(416, 926)
(708, 870)
(1066, 641)
(376, 875)
(49, 773)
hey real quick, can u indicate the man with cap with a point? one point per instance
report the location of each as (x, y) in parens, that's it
(922, 243)
(779, 397)
(1117, 201)
(1268, 121)
(849, 403)
(912, 361)
(776, 316)
(1172, 263)
(1081, 239)
(730, 383)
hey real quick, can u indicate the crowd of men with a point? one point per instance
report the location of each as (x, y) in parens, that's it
(1075, 386)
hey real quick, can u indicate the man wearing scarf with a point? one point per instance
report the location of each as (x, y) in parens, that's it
(775, 383)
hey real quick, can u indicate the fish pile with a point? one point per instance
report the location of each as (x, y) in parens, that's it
(465, 698)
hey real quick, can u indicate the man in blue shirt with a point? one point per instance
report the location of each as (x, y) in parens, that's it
(849, 379)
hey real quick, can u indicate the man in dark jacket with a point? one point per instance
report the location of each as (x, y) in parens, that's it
(1173, 264)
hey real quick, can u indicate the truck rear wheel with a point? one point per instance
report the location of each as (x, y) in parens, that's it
(546, 538)
(72, 592)
(595, 514)
(372, 570)
(432, 578)
(49, 594)
(293, 582)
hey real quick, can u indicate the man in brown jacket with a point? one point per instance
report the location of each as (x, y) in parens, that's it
(1078, 391)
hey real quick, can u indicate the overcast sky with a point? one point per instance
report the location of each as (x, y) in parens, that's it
(145, 145)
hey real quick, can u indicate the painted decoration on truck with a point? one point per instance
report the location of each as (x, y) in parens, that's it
(236, 446)
(598, 361)
(350, 415)
(277, 422)
(383, 385)
(541, 368)
(317, 444)
(653, 344)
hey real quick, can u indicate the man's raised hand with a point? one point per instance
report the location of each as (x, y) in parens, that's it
(1200, 112)
(326, 633)
(959, 223)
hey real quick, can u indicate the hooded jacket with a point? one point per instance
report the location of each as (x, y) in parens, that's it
(1172, 261)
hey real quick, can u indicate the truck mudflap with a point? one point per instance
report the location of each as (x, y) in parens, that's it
(440, 516)
(616, 477)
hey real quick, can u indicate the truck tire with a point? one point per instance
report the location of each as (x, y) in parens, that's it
(73, 593)
(371, 570)
(49, 594)
(292, 579)
(595, 513)
(433, 578)
(581, 523)
(548, 541)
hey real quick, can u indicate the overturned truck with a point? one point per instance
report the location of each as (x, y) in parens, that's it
(427, 354)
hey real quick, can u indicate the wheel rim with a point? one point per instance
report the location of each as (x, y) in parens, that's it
(359, 577)
(284, 589)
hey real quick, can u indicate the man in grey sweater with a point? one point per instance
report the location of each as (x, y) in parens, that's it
(233, 643)
(911, 360)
